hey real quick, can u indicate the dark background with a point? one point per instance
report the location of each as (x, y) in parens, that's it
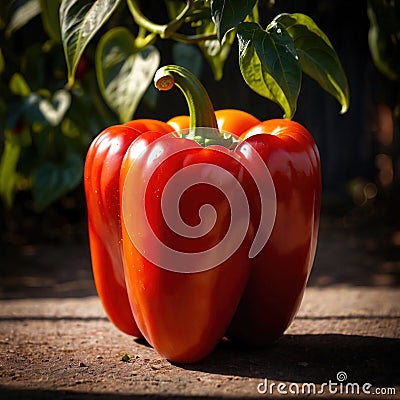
(356, 148)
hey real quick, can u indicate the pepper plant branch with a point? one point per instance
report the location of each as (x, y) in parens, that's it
(164, 31)
(142, 42)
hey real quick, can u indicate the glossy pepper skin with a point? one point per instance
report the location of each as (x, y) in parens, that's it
(101, 181)
(249, 300)
(279, 273)
(182, 315)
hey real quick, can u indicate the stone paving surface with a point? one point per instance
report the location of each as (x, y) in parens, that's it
(56, 342)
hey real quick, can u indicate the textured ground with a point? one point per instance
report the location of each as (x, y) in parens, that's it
(56, 343)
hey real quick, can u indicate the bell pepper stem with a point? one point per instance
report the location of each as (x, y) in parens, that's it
(201, 109)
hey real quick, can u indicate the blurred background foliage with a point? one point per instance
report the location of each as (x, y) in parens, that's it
(46, 126)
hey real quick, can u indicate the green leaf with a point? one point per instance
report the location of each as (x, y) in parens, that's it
(123, 73)
(24, 13)
(50, 18)
(52, 180)
(228, 14)
(214, 51)
(19, 86)
(55, 110)
(269, 64)
(317, 56)
(384, 37)
(8, 173)
(80, 20)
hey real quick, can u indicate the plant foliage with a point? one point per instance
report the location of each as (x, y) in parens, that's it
(93, 60)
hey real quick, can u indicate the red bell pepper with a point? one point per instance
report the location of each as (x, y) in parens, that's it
(261, 192)
(184, 300)
(280, 271)
(101, 180)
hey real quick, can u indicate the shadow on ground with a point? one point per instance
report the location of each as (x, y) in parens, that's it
(26, 394)
(311, 358)
(59, 271)
(303, 359)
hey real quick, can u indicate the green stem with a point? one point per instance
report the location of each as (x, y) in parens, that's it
(142, 42)
(200, 107)
(165, 31)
